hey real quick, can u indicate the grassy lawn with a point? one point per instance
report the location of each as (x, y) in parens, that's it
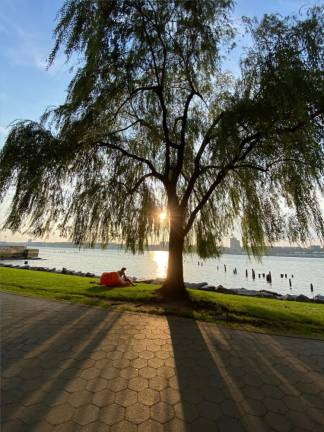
(250, 313)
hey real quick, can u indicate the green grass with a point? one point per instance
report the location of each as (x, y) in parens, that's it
(242, 312)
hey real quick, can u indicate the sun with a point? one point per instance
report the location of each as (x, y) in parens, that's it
(163, 216)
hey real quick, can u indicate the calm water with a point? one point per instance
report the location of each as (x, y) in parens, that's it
(153, 264)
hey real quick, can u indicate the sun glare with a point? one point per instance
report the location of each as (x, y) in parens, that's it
(161, 261)
(163, 216)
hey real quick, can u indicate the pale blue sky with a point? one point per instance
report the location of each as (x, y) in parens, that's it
(27, 88)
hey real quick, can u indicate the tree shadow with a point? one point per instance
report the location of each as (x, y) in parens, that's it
(236, 380)
(52, 365)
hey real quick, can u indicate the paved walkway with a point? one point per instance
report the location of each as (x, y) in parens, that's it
(69, 368)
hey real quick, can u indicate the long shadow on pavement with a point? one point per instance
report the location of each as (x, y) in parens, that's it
(54, 368)
(235, 380)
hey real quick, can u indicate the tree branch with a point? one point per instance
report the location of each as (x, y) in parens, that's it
(133, 156)
(137, 184)
(124, 129)
(181, 147)
(200, 152)
(252, 140)
(133, 93)
(204, 199)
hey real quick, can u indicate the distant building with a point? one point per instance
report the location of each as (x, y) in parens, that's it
(235, 244)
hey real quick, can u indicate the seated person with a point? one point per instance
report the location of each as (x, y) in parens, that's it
(115, 279)
(122, 274)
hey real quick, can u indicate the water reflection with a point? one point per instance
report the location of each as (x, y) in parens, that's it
(160, 259)
(153, 264)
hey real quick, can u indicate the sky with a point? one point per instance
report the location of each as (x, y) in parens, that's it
(27, 87)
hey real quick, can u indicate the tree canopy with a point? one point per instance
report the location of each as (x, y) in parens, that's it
(151, 119)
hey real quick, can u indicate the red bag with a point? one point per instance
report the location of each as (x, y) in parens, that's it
(110, 279)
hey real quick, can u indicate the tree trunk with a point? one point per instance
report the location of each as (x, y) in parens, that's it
(173, 287)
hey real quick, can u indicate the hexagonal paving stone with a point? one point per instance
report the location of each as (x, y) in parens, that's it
(68, 427)
(138, 384)
(158, 383)
(31, 414)
(108, 348)
(103, 398)
(229, 424)
(147, 372)
(202, 424)
(278, 422)
(103, 363)
(126, 397)
(130, 355)
(139, 336)
(166, 372)
(301, 420)
(138, 346)
(41, 426)
(138, 363)
(153, 347)
(193, 394)
(170, 395)
(89, 363)
(155, 362)
(232, 409)
(129, 373)
(60, 414)
(274, 405)
(97, 384)
(86, 414)
(123, 426)
(116, 355)
(109, 373)
(174, 383)
(117, 384)
(162, 412)
(98, 355)
(29, 399)
(53, 399)
(170, 362)
(162, 355)
(96, 426)
(272, 391)
(78, 399)
(146, 355)
(150, 426)
(148, 397)
(137, 413)
(177, 425)
(112, 414)
(76, 385)
(186, 411)
(121, 364)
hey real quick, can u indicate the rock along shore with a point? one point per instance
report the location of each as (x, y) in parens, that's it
(204, 286)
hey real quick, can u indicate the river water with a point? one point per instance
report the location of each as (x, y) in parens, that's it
(153, 264)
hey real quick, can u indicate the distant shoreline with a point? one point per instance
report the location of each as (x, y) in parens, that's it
(278, 251)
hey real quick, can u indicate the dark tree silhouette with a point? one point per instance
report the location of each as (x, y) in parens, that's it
(151, 120)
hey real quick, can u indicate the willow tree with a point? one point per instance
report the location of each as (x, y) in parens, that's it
(151, 120)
